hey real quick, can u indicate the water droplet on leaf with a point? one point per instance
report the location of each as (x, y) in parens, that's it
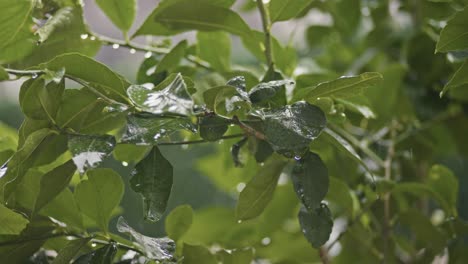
(115, 46)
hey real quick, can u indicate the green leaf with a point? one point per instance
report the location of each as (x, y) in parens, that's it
(149, 130)
(265, 91)
(179, 221)
(238, 256)
(173, 99)
(442, 181)
(98, 196)
(172, 59)
(198, 254)
(89, 70)
(227, 101)
(342, 87)
(68, 253)
(259, 191)
(155, 248)
(290, 129)
(310, 180)
(420, 189)
(212, 128)
(215, 48)
(316, 225)
(130, 153)
(454, 36)
(40, 101)
(59, 19)
(12, 223)
(458, 80)
(53, 183)
(104, 255)
(172, 17)
(14, 16)
(3, 74)
(281, 10)
(89, 151)
(65, 209)
(263, 151)
(120, 12)
(358, 104)
(152, 178)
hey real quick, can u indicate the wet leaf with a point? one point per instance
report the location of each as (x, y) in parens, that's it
(179, 221)
(99, 195)
(68, 253)
(104, 255)
(212, 128)
(89, 151)
(238, 81)
(227, 101)
(290, 129)
(173, 99)
(12, 223)
(310, 180)
(61, 17)
(155, 248)
(263, 151)
(316, 225)
(152, 178)
(265, 91)
(53, 183)
(149, 130)
(259, 191)
(458, 80)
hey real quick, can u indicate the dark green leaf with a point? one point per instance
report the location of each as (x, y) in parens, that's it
(149, 130)
(212, 128)
(281, 10)
(104, 255)
(458, 81)
(68, 253)
(89, 70)
(215, 48)
(259, 191)
(89, 151)
(341, 87)
(263, 151)
(235, 152)
(41, 101)
(227, 101)
(310, 180)
(98, 196)
(173, 99)
(53, 183)
(316, 225)
(179, 221)
(152, 178)
(198, 254)
(265, 91)
(292, 128)
(184, 15)
(454, 36)
(155, 248)
(121, 12)
(12, 223)
(241, 79)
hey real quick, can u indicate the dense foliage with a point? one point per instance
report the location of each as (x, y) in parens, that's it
(303, 150)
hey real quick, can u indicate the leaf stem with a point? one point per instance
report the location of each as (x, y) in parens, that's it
(197, 141)
(145, 48)
(266, 22)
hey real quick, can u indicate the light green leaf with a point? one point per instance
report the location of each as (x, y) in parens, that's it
(152, 178)
(310, 180)
(39, 100)
(198, 254)
(454, 36)
(89, 151)
(155, 248)
(14, 16)
(281, 10)
(12, 223)
(59, 19)
(316, 225)
(173, 99)
(215, 48)
(358, 104)
(341, 88)
(120, 12)
(130, 153)
(445, 183)
(179, 16)
(179, 221)
(458, 80)
(238, 256)
(3, 74)
(292, 128)
(89, 70)
(53, 183)
(172, 59)
(66, 254)
(259, 191)
(98, 196)
(227, 101)
(65, 209)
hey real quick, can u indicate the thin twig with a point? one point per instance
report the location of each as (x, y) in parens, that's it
(267, 30)
(197, 141)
